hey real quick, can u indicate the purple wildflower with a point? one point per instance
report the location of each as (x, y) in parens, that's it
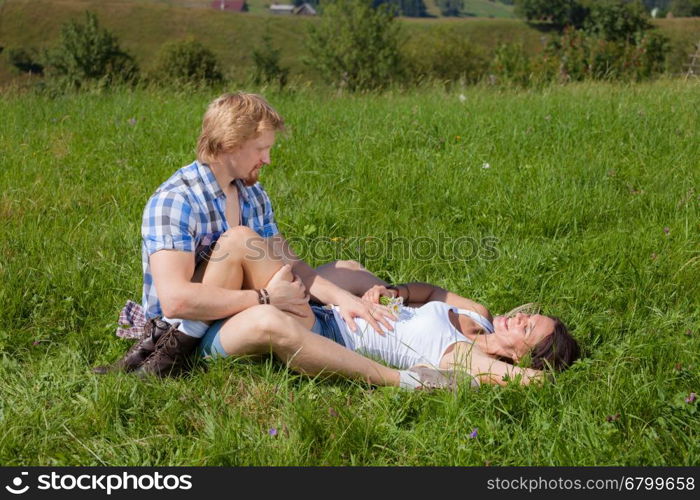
(691, 398)
(473, 434)
(272, 431)
(667, 230)
(36, 342)
(132, 121)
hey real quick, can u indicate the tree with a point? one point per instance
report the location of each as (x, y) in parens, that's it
(408, 8)
(558, 12)
(355, 45)
(451, 7)
(617, 20)
(87, 53)
(685, 8)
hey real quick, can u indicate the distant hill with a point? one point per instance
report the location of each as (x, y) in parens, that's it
(472, 8)
(144, 25)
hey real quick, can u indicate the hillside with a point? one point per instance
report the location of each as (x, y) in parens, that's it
(143, 26)
(472, 8)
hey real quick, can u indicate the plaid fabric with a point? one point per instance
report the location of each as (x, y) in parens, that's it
(187, 213)
(132, 319)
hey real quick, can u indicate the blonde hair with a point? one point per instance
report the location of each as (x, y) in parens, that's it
(231, 120)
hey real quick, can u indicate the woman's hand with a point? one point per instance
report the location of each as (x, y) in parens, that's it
(373, 294)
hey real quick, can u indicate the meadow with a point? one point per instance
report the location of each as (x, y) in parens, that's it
(583, 198)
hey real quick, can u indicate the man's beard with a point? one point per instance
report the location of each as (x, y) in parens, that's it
(252, 178)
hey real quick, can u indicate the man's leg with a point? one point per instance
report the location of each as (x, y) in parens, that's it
(350, 275)
(243, 260)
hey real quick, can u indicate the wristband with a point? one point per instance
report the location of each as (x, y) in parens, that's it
(398, 294)
(263, 296)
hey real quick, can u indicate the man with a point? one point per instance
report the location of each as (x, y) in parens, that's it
(202, 210)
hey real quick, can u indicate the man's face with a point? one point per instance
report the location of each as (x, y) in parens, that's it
(246, 162)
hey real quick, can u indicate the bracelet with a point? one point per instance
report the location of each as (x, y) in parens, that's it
(398, 294)
(263, 296)
(408, 293)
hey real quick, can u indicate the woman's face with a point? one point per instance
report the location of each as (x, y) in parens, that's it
(522, 332)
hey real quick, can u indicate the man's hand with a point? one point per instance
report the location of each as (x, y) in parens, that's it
(287, 292)
(373, 294)
(354, 307)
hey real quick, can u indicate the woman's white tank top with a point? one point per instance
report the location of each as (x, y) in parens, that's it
(421, 335)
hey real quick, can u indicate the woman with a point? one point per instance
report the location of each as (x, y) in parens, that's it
(437, 339)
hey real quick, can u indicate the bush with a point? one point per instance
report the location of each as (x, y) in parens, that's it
(511, 64)
(186, 61)
(355, 46)
(444, 54)
(88, 53)
(267, 64)
(580, 56)
(25, 61)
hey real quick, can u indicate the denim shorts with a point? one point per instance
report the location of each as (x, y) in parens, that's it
(325, 325)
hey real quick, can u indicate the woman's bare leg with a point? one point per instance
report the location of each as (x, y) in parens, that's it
(263, 329)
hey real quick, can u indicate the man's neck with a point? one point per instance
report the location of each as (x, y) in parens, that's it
(225, 181)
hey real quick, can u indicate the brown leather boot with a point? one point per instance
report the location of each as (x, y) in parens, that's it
(138, 352)
(171, 355)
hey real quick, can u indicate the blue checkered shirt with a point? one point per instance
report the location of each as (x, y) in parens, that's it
(187, 213)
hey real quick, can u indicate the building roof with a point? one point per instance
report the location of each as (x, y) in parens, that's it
(282, 8)
(305, 9)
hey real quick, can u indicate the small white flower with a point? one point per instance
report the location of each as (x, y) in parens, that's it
(486, 165)
(462, 98)
(394, 304)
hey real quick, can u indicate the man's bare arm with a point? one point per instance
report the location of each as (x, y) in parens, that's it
(181, 298)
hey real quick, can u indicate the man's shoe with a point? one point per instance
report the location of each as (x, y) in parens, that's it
(171, 355)
(138, 352)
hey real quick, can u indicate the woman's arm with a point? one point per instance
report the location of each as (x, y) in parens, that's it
(486, 369)
(417, 294)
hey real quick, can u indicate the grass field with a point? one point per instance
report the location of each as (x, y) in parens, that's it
(143, 26)
(592, 196)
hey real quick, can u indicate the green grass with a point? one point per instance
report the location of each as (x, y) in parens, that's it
(592, 194)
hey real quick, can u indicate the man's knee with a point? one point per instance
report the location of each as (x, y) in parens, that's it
(236, 241)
